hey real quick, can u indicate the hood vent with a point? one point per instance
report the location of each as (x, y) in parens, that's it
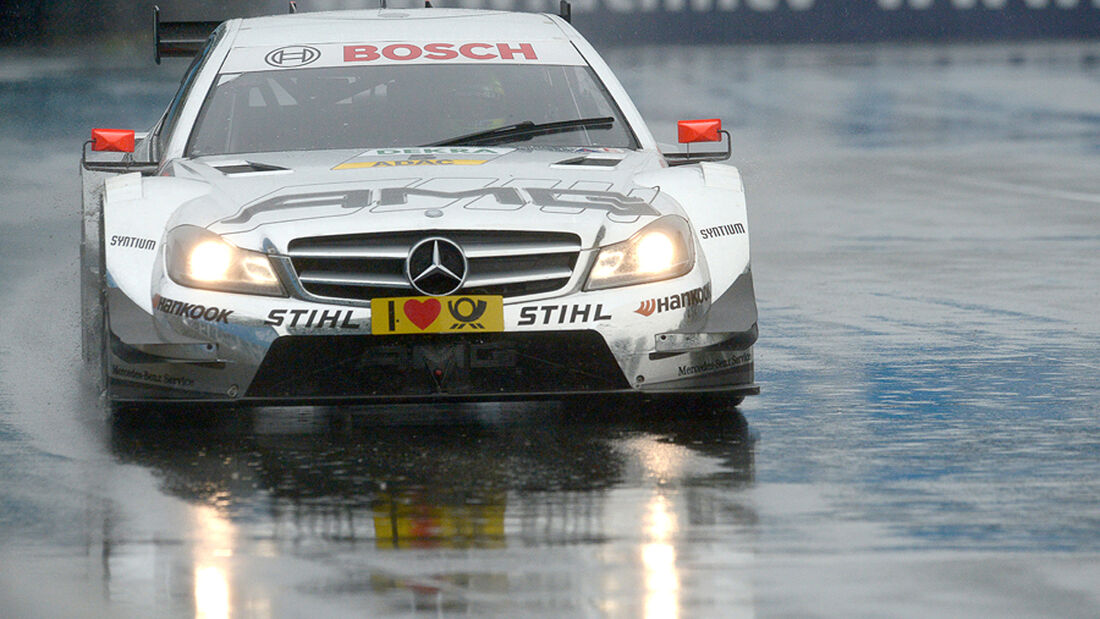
(246, 167)
(591, 161)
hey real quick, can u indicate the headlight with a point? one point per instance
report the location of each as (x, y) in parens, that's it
(661, 250)
(198, 258)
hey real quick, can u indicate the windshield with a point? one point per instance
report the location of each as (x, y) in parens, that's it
(387, 106)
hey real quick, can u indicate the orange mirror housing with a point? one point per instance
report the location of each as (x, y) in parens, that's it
(699, 130)
(113, 140)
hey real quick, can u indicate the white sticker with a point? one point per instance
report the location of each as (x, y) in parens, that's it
(553, 52)
(435, 150)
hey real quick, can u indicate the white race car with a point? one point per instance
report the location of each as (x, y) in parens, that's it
(424, 204)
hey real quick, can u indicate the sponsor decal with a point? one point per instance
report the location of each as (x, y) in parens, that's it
(133, 242)
(611, 201)
(152, 377)
(711, 366)
(460, 356)
(683, 300)
(436, 150)
(720, 231)
(567, 314)
(338, 199)
(190, 310)
(436, 314)
(598, 149)
(440, 51)
(311, 319)
(401, 163)
(292, 56)
(571, 201)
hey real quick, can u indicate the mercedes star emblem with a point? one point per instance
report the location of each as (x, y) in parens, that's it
(436, 266)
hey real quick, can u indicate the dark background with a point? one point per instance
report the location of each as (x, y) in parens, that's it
(52, 22)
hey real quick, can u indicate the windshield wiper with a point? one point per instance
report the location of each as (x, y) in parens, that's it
(526, 130)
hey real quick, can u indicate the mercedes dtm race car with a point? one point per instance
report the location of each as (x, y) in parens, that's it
(417, 204)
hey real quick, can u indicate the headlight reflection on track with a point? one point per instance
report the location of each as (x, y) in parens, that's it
(213, 547)
(662, 581)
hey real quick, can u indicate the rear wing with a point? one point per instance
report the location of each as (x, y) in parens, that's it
(184, 39)
(179, 39)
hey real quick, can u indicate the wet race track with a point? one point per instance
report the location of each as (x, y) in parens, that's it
(926, 251)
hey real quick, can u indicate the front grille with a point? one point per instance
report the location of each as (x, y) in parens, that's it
(437, 365)
(361, 267)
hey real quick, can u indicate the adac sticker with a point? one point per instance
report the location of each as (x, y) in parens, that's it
(453, 314)
(407, 163)
(424, 156)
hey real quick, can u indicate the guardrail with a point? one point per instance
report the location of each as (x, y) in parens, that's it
(842, 21)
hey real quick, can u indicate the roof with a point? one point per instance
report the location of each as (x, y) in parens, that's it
(416, 25)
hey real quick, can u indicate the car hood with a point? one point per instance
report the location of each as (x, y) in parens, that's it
(269, 199)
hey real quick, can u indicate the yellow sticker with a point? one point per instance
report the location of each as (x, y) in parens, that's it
(455, 314)
(353, 165)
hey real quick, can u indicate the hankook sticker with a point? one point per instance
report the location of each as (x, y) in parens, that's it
(658, 305)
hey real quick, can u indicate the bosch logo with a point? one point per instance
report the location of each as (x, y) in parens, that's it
(436, 267)
(440, 51)
(292, 56)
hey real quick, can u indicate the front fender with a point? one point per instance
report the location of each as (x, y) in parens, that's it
(136, 210)
(713, 198)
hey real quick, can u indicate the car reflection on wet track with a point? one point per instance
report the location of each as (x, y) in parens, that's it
(345, 490)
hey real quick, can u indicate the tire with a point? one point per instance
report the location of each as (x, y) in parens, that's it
(93, 306)
(697, 402)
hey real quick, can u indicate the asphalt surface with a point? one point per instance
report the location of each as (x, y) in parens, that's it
(926, 247)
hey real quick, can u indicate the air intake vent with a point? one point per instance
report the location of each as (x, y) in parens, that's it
(360, 267)
(245, 167)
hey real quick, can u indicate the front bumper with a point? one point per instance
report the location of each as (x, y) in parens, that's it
(218, 347)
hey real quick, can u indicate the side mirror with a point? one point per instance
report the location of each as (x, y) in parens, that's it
(113, 140)
(691, 131)
(694, 131)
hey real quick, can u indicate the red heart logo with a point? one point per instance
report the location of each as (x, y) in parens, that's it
(422, 313)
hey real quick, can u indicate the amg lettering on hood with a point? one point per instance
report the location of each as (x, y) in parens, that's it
(674, 302)
(190, 310)
(549, 200)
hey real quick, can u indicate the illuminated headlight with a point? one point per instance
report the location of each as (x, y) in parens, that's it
(198, 258)
(661, 250)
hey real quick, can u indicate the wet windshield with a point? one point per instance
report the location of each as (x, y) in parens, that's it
(377, 107)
